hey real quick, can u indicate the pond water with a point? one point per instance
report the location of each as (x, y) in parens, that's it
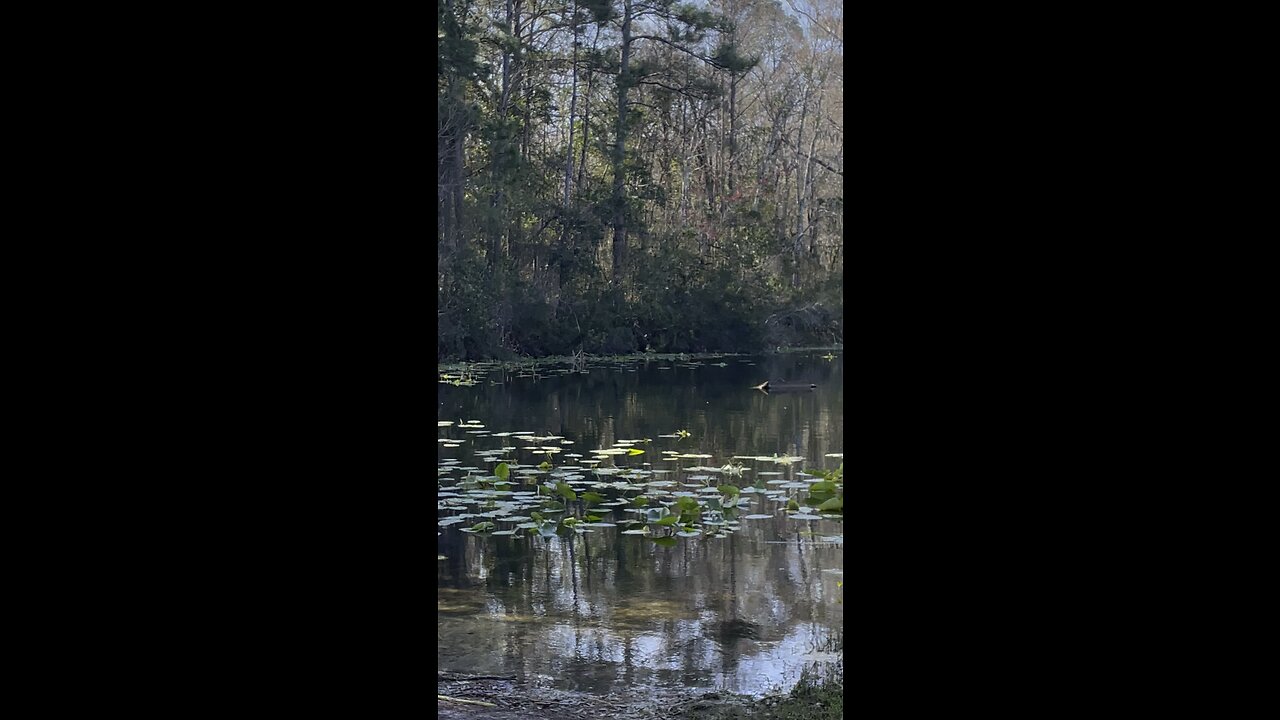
(740, 592)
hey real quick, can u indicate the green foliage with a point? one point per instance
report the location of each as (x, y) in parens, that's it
(827, 494)
(712, 259)
(835, 504)
(566, 492)
(728, 57)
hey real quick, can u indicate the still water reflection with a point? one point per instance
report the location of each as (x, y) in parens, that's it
(604, 612)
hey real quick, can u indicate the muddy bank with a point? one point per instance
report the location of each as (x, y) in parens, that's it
(508, 698)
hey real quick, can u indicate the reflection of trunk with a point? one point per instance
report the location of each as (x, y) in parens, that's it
(573, 573)
(546, 552)
(586, 551)
(726, 658)
(628, 660)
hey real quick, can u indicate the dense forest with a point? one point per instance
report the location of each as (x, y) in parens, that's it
(639, 175)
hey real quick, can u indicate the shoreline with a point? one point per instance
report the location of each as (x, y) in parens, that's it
(454, 365)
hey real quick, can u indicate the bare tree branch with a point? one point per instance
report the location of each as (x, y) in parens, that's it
(815, 158)
(687, 51)
(816, 23)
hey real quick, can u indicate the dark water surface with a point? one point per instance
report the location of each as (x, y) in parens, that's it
(603, 612)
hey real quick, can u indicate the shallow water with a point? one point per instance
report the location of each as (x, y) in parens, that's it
(603, 612)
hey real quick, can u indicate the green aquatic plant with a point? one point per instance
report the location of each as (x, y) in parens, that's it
(827, 494)
(670, 503)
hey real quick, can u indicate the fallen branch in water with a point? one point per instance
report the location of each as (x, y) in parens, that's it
(445, 675)
(469, 702)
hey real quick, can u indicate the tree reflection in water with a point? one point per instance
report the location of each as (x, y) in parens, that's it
(603, 612)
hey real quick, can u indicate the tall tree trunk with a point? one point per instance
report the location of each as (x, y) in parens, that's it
(802, 185)
(500, 143)
(619, 150)
(586, 111)
(573, 104)
(733, 129)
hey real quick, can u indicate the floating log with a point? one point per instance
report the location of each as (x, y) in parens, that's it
(784, 386)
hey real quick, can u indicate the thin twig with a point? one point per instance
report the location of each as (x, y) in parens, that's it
(469, 702)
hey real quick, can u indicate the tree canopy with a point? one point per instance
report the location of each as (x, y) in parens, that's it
(629, 175)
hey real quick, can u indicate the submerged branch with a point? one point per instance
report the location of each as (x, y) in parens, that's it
(468, 702)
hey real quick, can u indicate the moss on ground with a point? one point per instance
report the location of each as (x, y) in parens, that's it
(811, 702)
(813, 698)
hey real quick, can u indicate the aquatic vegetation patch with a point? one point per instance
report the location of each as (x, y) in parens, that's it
(664, 506)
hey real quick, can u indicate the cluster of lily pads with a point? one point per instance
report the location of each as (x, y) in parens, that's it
(510, 495)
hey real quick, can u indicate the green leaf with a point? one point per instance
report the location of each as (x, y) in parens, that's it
(668, 520)
(535, 516)
(792, 504)
(565, 491)
(640, 500)
(687, 503)
(592, 498)
(502, 471)
(835, 503)
(544, 465)
(665, 541)
(825, 486)
(730, 490)
(634, 451)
